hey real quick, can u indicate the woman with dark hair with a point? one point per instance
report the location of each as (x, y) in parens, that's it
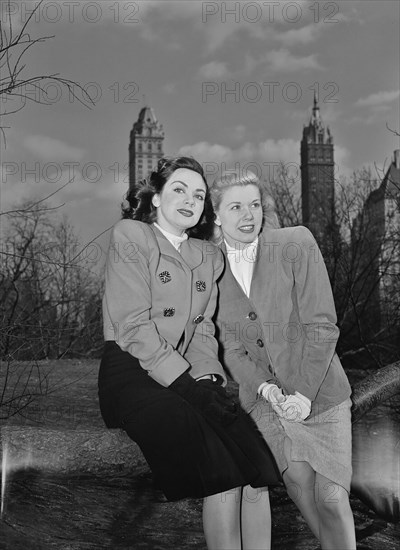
(277, 326)
(160, 379)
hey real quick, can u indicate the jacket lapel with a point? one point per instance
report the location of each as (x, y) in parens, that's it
(228, 273)
(258, 279)
(260, 272)
(189, 254)
(265, 268)
(191, 251)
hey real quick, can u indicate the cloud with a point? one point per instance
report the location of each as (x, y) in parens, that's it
(171, 9)
(91, 203)
(377, 99)
(221, 21)
(283, 61)
(261, 158)
(304, 35)
(341, 157)
(214, 69)
(264, 158)
(170, 87)
(237, 133)
(50, 149)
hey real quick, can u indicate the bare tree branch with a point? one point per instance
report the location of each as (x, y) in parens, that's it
(12, 82)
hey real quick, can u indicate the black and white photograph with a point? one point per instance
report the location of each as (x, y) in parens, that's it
(200, 275)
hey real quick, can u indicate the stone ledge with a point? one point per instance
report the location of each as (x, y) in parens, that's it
(83, 450)
(95, 450)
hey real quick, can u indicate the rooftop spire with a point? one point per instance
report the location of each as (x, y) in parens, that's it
(316, 117)
(316, 131)
(316, 100)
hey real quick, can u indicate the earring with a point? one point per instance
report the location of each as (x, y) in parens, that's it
(217, 222)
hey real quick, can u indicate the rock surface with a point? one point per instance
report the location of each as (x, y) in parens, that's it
(83, 450)
(72, 485)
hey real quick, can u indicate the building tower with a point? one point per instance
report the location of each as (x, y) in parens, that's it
(317, 178)
(376, 254)
(145, 145)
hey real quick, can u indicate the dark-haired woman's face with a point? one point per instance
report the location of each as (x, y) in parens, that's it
(181, 201)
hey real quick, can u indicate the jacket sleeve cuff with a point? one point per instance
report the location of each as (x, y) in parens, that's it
(170, 369)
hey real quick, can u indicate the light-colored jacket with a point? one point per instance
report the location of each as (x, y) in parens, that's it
(285, 332)
(158, 302)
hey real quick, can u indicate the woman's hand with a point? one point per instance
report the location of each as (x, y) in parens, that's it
(206, 396)
(295, 408)
(273, 395)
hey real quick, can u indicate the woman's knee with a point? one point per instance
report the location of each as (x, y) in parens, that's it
(254, 494)
(299, 476)
(331, 499)
(224, 501)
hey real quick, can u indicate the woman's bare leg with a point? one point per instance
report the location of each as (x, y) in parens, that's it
(336, 523)
(299, 479)
(256, 519)
(221, 520)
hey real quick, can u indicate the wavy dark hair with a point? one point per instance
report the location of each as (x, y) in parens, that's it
(139, 198)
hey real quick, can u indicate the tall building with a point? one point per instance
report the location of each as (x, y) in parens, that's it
(317, 177)
(145, 145)
(376, 253)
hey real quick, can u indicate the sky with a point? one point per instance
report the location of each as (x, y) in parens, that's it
(231, 82)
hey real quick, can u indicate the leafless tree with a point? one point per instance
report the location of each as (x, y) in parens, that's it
(15, 80)
(47, 284)
(285, 189)
(50, 300)
(363, 261)
(49, 295)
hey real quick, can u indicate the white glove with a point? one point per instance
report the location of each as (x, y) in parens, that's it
(296, 408)
(272, 394)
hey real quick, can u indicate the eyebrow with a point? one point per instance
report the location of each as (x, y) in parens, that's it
(239, 202)
(183, 183)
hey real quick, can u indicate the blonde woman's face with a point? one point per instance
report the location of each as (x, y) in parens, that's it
(240, 214)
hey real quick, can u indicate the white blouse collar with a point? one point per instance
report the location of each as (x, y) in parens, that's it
(248, 252)
(175, 240)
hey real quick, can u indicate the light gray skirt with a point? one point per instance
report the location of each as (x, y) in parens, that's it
(324, 441)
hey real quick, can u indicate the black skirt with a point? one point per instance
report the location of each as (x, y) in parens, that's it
(189, 455)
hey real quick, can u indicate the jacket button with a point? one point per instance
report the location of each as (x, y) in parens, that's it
(252, 316)
(260, 343)
(198, 319)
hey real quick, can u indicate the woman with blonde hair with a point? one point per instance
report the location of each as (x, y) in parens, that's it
(277, 327)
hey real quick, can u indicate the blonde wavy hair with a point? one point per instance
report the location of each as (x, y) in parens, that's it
(229, 179)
